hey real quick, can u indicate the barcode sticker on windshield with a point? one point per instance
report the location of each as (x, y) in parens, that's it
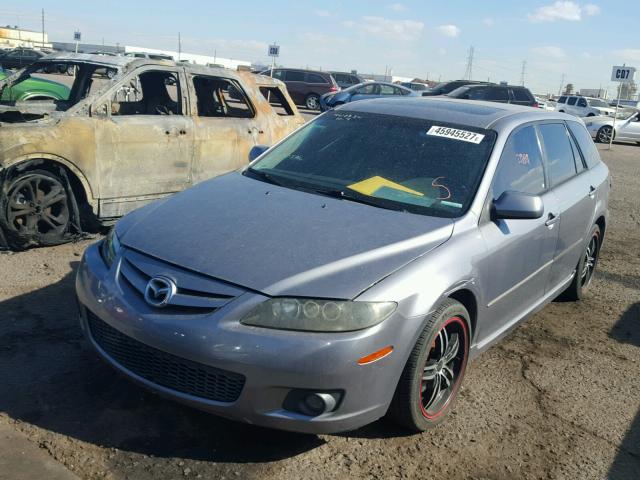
(456, 134)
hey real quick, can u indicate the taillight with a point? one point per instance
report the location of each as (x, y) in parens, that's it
(333, 88)
(535, 105)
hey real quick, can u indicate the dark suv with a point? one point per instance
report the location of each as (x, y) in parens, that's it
(305, 86)
(346, 80)
(448, 87)
(496, 93)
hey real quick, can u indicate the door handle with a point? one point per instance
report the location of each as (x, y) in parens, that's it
(592, 191)
(551, 219)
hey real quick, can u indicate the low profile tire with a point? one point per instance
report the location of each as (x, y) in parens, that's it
(434, 371)
(604, 134)
(37, 208)
(312, 102)
(586, 267)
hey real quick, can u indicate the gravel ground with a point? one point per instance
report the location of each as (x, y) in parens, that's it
(559, 398)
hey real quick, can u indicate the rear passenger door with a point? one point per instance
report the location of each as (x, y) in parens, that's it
(296, 85)
(575, 195)
(225, 125)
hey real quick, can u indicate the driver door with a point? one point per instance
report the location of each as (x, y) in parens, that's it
(519, 252)
(144, 139)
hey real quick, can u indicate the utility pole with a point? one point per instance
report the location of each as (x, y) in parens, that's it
(179, 47)
(561, 85)
(522, 74)
(43, 28)
(469, 71)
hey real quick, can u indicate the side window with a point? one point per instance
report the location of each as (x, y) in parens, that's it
(369, 89)
(386, 90)
(475, 94)
(279, 74)
(497, 94)
(354, 80)
(572, 100)
(294, 76)
(220, 97)
(520, 168)
(582, 102)
(585, 143)
(560, 163)
(562, 99)
(577, 156)
(339, 77)
(150, 93)
(521, 95)
(277, 100)
(315, 78)
(398, 91)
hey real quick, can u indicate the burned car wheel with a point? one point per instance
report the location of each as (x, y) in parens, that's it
(37, 209)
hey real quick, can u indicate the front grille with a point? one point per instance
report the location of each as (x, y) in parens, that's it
(195, 294)
(164, 368)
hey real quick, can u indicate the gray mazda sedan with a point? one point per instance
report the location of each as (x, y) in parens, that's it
(353, 269)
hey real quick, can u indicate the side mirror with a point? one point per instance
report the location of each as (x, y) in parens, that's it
(517, 205)
(256, 151)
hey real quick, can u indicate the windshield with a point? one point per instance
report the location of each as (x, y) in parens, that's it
(594, 102)
(626, 113)
(421, 166)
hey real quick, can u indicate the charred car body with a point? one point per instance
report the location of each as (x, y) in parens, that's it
(113, 145)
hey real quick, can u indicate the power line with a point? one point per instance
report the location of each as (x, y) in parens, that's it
(469, 71)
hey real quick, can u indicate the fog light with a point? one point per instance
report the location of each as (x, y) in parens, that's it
(318, 403)
(312, 403)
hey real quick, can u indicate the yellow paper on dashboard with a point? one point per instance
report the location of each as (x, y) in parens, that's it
(371, 185)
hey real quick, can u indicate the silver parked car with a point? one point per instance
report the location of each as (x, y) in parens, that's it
(353, 269)
(627, 127)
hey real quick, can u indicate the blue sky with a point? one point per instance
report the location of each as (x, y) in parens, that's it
(413, 38)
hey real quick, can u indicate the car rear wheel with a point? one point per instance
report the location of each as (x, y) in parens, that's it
(432, 376)
(604, 134)
(312, 102)
(36, 209)
(585, 268)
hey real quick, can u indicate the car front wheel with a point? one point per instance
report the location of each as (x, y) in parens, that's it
(432, 376)
(37, 209)
(604, 134)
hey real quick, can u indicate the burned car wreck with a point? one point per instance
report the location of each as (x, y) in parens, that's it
(131, 131)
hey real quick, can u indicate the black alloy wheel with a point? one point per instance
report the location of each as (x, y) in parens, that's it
(37, 208)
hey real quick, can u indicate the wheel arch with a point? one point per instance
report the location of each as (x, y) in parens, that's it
(44, 161)
(602, 223)
(468, 299)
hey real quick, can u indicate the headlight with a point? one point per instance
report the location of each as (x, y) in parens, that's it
(314, 315)
(110, 247)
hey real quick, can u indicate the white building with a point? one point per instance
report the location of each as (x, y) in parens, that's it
(14, 37)
(594, 92)
(192, 57)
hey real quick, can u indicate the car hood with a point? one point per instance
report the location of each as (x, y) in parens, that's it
(280, 241)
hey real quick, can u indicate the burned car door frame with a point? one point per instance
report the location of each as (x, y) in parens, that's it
(227, 124)
(144, 139)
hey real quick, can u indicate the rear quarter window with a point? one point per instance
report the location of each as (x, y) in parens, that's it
(522, 95)
(315, 78)
(585, 144)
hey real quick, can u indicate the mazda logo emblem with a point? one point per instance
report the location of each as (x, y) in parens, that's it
(160, 291)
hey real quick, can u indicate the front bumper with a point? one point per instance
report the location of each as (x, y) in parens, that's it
(272, 362)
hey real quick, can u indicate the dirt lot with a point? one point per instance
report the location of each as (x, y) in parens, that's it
(560, 398)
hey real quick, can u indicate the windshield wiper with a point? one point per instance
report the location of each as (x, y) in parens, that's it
(263, 176)
(353, 196)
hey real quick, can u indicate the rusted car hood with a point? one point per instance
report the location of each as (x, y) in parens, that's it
(280, 241)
